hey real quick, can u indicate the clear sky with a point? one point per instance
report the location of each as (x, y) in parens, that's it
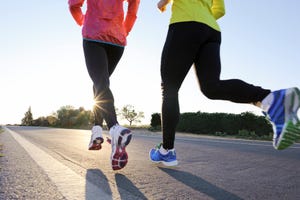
(42, 63)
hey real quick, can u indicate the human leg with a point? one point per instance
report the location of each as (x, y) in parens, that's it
(120, 136)
(281, 106)
(101, 60)
(208, 69)
(95, 66)
(113, 56)
(177, 58)
(99, 66)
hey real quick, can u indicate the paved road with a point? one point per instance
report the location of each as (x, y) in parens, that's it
(55, 164)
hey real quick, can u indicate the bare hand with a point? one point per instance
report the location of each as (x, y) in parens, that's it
(162, 5)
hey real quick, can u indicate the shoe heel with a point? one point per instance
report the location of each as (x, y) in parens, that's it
(98, 140)
(124, 138)
(128, 139)
(296, 105)
(96, 144)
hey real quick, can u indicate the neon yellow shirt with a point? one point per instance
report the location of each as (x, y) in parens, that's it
(204, 11)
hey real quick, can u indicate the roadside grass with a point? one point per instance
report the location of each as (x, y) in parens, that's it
(1, 155)
(1, 145)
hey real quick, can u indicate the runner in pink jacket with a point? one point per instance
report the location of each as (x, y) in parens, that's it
(104, 19)
(104, 34)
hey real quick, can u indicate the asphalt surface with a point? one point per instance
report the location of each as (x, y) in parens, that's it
(20, 176)
(209, 168)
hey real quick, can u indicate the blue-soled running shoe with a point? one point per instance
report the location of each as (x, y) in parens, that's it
(168, 160)
(283, 115)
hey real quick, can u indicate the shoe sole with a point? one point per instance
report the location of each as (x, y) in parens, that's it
(291, 129)
(96, 144)
(167, 164)
(290, 134)
(120, 157)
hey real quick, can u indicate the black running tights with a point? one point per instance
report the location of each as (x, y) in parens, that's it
(101, 60)
(193, 43)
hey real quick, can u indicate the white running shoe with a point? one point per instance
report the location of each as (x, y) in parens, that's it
(96, 138)
(120, 138)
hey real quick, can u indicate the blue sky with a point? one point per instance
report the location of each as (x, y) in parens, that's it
(42, 63)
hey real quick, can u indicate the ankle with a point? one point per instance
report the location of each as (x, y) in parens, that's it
(267, 102)
(164, 151)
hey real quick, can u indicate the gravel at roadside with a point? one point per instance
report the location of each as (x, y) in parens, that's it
(20, 177)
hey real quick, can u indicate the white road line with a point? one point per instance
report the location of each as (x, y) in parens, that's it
(71, 185)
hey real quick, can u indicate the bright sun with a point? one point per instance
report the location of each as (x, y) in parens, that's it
(89, 105)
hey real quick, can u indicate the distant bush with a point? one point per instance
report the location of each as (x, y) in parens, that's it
(247, 134)
(155, 122)
(245, 125)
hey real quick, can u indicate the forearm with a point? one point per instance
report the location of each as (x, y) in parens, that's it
(131, 15)
(129, 22)
(75, 9)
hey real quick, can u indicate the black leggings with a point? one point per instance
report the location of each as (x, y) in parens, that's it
(195, 43)
(101, 60)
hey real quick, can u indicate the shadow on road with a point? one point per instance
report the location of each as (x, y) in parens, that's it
(97, 178)
(200, 184)
(124, 183)
(127, 190)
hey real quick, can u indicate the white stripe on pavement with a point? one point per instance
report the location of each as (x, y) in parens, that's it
(70, 184)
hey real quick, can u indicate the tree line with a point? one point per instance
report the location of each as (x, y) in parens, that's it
(70, 117)
(244, 125)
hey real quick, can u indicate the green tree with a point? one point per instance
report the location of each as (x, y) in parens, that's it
(66, 116)
(128, 112)
(52, 120)
(83, 118)
(28, 119)
(41, 121)
(69, 117)
(155, 120)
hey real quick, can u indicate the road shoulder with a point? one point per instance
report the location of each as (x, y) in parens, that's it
(19, 182)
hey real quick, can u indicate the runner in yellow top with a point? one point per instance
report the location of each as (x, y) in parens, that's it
(206, 12)
(194, 38)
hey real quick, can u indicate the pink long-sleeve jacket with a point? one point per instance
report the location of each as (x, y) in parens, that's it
(104, 19)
